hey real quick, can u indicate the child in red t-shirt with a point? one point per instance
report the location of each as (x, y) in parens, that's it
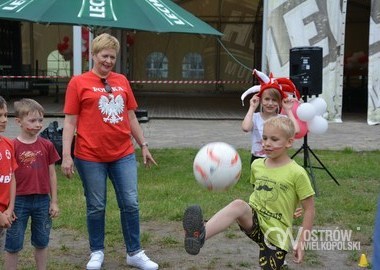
(7, 180)
(36, 191)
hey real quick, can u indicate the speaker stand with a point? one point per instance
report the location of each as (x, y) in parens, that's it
(307, 163)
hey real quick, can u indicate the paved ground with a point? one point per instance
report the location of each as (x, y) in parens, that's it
(192, 120)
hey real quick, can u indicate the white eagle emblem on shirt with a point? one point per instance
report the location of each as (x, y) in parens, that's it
(111, 107)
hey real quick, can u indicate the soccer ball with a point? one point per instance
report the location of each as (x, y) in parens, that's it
(217, 166)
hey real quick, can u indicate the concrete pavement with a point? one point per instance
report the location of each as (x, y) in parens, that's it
(178, 133)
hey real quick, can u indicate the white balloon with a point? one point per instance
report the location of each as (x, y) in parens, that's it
(318, 125)
(306, 112)
(319, 104)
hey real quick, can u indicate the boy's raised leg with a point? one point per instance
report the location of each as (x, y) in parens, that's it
(194, 229)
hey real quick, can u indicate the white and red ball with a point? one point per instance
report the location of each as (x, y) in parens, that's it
(217, 166)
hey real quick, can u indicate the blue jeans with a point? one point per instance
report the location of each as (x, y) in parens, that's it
(34, 206)
(376, 240)
(123, 175)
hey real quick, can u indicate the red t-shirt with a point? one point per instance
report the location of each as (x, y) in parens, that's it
(103, 129)
(8, 165)
(32, 174)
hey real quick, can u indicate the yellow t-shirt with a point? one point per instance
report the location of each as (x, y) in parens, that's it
(275, 198)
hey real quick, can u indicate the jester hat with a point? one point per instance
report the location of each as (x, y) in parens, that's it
(284, 85)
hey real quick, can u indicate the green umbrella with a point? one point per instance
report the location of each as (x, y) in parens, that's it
(145, 15)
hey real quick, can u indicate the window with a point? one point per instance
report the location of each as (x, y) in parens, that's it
(157, 66)
(192, 66)
(57, 65)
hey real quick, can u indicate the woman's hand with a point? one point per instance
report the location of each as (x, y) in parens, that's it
(147, 157)
(67, 166)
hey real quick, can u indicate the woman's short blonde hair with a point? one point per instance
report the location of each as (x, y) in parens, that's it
(283, 123)
(105, 41)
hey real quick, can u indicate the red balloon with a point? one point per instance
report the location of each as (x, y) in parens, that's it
(66, 39)
(130, 40)
(301, 124)
(85, 33)
(303, 129)
(60, 47)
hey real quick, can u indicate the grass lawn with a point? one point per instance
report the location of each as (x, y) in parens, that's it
(166, 190)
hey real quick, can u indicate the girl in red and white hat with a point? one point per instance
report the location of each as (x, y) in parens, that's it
(273, 95)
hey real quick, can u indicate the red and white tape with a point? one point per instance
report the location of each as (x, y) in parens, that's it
(188, 82)
(137, 81)
(33, 77)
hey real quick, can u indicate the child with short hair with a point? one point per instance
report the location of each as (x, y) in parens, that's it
(36, 191)
(280, 184)
(8, 165)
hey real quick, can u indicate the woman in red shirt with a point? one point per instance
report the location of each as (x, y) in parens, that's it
(99, 107)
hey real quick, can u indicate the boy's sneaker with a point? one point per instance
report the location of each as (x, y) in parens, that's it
(194, 229)
(141, 261)
(96, 260)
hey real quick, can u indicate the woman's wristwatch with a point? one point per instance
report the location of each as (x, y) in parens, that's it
(144, 144)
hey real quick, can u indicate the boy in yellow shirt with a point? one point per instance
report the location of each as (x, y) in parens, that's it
(279, 185)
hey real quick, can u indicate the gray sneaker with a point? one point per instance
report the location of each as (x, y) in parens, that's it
(194, 229)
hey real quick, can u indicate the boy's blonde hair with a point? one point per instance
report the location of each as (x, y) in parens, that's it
(27, 105)
(283, 123)
(105, 41)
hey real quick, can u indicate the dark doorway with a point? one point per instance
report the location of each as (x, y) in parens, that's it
(355, 89)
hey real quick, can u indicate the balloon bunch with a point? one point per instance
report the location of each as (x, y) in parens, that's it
(357, 61)
(130, 39)
(312, 113)
(64, 49)
(309, 115)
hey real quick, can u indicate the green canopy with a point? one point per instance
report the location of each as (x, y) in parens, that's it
(145, 15)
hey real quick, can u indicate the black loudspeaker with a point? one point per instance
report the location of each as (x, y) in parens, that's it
(305, 69)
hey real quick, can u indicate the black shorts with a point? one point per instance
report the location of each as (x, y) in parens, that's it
(270, 256)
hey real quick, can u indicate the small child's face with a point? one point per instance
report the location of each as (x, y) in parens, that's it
(269, 103)
(32, 123)
(275, 142)
(3, 118)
